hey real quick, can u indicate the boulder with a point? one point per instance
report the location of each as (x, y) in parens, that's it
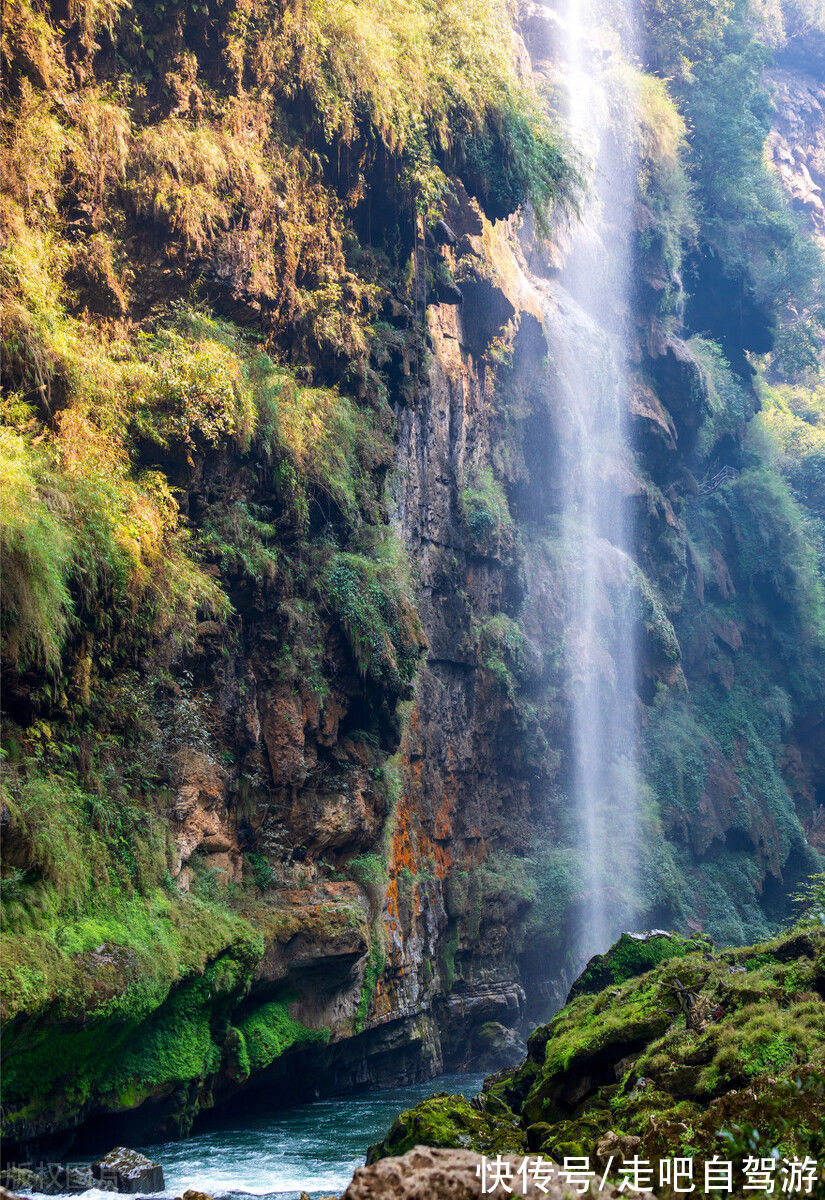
(429, 1173)
(496, 1046)
(633, 954)
(612, 1148)
(484, 1124)
(131, 1172)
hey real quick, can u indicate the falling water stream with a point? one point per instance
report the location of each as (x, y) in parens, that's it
(588, 315)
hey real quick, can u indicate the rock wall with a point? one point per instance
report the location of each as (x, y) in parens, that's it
(797, 141)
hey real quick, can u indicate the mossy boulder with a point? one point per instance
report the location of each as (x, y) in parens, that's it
(633, 954)
(497, 1047)
(485, 1124)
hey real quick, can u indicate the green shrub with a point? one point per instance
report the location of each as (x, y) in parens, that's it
(196, 389)
(485, 510)
(809, 901)
(729, 405)
(262, 872)
(794, 416)
(120, 566)
(369, 597)
(240, 538)
(515, 159)
(370, 870)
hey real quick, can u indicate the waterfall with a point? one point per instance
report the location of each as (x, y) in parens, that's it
(588, 318)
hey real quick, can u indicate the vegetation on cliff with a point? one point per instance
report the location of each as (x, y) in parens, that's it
(211, 308)
(747, 606)
(751, 245)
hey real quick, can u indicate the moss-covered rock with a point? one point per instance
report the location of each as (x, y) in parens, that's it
(485, 1124)
(705, 1042)
(631, 955)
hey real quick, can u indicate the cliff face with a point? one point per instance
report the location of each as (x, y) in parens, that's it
(324, 810)
(797, 142)
(733, 798)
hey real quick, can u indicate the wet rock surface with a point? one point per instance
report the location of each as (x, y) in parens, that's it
(130, 1171)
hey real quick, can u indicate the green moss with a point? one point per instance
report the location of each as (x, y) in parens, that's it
(485, 1125)
(270, 1030)
(631, 956)
(503, 650)
(242, 1064)
(768, 1037)
(449, 948)
(659, 633)
(112, 986)
(376, 961)
(635, 1016)
(147, 1022)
